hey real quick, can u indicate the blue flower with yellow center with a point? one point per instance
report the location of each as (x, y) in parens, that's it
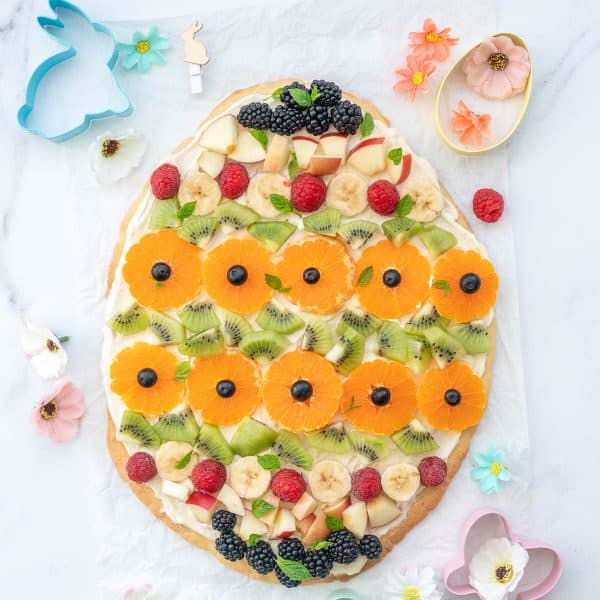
(144, 51)
(490, 470)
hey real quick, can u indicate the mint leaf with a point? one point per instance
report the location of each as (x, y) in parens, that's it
(187, 210)
(301, 97)
(158, 284)
(352, 405)
(185, 461)
(367, 125)
(276, 95)
(404, 206)
(269, 462)
(333, 523)
(442, 284)
(261, 507)
(274, 282)
(314, 93)
(365, 276)
(395, 155)
(321, 544)
(281, 203)
(260, 136)
(254, 537)
(292, 167)
(182, 370)
(63, 338)
(295, 570)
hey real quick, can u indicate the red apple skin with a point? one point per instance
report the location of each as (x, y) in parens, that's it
(406, 168)
(364, 143)
(304, 137)
(317, 531)
(205, 501)
(337, 509)
(335, 134)
(324, 165)
(285, 534)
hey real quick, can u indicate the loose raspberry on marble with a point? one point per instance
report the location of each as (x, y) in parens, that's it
(433, 471)
(308, 192)
(383, 197)
(488, 205)
(209, 476)
(233, 180)
(141, 467)
(288, 485)
(366, 483)
(165, 181)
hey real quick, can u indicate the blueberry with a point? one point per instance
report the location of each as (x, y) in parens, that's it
(452, 397)
(311, 275)
(301, 390)
(225, 388)
(391, 278)
(470, 283)
(380, 396)
(237, 275)
(147, 377)
(161, 271)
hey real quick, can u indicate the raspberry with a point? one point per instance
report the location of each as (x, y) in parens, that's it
(141, 467)
(308, 192)
(233, 180)
(223, 520)
(261, 557)
(291, 549)
(209, 476)
(383, 197)
(165, 181)
(488, 205)
(288, 485)
(433, 471)
(370, 547)
(366, 483)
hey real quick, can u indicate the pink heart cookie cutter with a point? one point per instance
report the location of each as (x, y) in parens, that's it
(541, 573)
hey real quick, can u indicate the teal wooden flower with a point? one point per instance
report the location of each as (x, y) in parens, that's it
(490, 470)
(144, 51)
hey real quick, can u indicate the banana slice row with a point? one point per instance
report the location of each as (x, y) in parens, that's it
(202, 189)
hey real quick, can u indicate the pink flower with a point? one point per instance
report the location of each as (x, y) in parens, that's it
(473, 128)
(415, 76)
(59, 413)
(497, 69)
(432, 43)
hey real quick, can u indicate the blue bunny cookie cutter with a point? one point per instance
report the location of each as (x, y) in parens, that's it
(54, 28)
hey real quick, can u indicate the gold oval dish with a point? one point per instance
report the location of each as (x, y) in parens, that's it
(506, 114)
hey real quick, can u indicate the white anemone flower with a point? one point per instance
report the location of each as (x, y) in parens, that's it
(415, 584)
(115, 156)
(44, 350)
(497, 568)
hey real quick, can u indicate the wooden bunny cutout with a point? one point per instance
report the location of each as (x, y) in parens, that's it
(194, 51)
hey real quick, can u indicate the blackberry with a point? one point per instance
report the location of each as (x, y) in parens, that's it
(318, 563)
(345, 547)
(286, 121)
(223, 520)
(291, 549)
(256, 115)
(330, 93)
(231, 546)
(284, 579)
(370, 546)
(317, 119)
(286, 97)
(346, 117)
(261, 557)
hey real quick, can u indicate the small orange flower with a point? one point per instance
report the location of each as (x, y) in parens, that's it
(415, 76)
(473, 128)
(432, 43)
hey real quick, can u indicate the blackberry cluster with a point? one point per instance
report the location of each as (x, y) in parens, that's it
(286, 97)
(231, 546)
(284, 579)
(317, 119)
(329, 93)
(286, 120)
(256, 115)
(318, 562)
(291, 549)
(345, 547)
(346, 117)
(261, 557)
(370, 546)
(223, 521)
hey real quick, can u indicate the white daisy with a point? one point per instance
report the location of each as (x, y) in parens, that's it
(44, 350)
(115, 156)
(497, 568)
(415, 584)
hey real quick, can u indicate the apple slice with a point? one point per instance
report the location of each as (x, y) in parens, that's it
(381, 510)
(250, 524)
(233, 503)
(284, 525)
(304, 147)
(336, 510)
(355, 519)
(211, 162)
(306, 523)
(324, 165)
(335, 144)
(368, 156)
(400, 172)
(317, 531)
(305, 506)
(273, 500)
(180, 491)
(278, 153)
(248, 149)
(202, 506)
(221, 135)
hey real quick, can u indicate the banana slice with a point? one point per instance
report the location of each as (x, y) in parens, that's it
(261, 187)
(167, 458)
(248, 478)
(202, 189)
(329, 481)
(348, 193)
(401, 482)
(428, 200)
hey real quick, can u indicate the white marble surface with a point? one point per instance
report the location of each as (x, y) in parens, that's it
(47, 548)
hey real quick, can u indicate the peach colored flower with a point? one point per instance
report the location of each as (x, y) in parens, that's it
(415, 76)
(473, 128)
(432, 43)
(497, 69)
(59, 413)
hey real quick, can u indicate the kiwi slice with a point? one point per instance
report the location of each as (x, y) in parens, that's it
(290, 450)
(164, 214)
(418, 355)
(207, 343)
(325, 222)
(199, 230)
(373, 447)
(180, 427)
(414, 439)
(317, 337)
(273, 234)
(167, 329)
(392, 341)
(357, 233)
(134, 429)
(443, 346)
(132, 320)
(331, 439)
(276, 317)
(399, 229)
(436, 240)
(211, 443)
(232, 216)
(473, 336)
(348, 352)
(199, 316)
(427, 316)
(358, 320)
(235, 327)
(252, 437)
(263, 345)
